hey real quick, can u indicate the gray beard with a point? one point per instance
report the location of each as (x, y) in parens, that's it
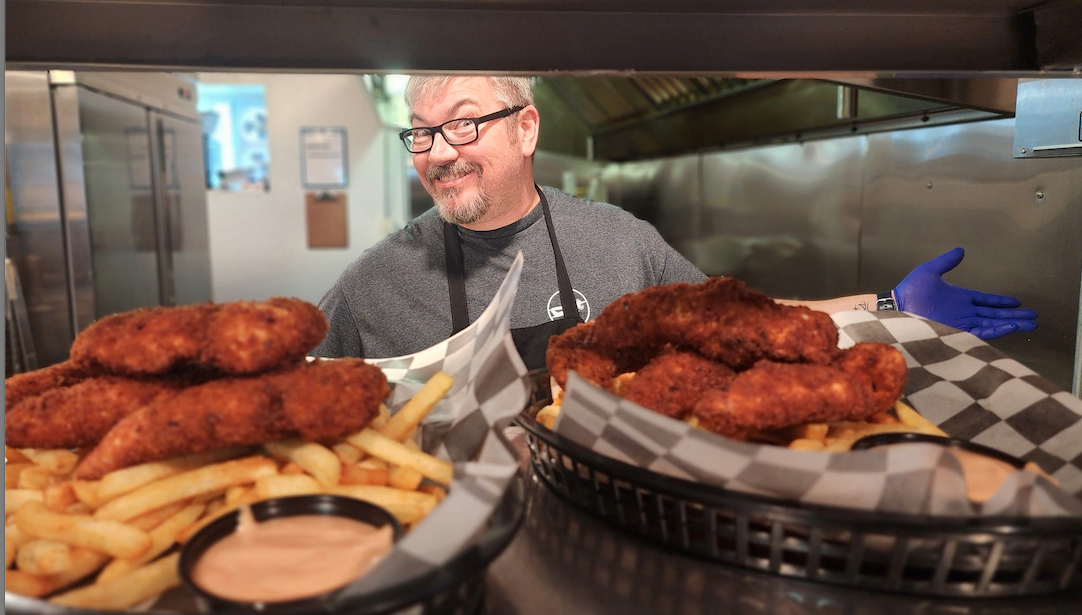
(463, 212)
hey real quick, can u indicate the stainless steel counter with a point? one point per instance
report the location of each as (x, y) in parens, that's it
(564, 561)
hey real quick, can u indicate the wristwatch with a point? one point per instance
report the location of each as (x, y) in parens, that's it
(884, 301)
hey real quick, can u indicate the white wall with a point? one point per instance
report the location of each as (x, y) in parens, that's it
(258, 241)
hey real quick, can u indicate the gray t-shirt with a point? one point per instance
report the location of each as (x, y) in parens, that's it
(394, 299)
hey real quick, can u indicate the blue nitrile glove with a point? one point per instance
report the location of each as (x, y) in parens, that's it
(923, 292)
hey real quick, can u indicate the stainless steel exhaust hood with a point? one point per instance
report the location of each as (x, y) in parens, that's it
(634, 118)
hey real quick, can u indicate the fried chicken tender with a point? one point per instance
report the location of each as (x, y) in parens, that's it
(879, 368)
(673, 382)
(81, 414)
(720, 319)
(240, 337)
(572, 350)
(772, 395)
(30, 384)
(863, 381)
(313, 401)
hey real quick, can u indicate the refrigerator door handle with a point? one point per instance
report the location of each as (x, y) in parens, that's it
(159, 178)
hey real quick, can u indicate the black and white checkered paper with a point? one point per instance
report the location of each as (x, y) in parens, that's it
(966, 387)
(490, 385)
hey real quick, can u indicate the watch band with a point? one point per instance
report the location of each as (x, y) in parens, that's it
(884, 301)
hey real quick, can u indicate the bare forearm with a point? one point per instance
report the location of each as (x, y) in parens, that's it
(841, 304)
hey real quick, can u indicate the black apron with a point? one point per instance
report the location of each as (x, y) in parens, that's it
(531, 342)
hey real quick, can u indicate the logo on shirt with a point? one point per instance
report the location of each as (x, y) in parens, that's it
(556, 311)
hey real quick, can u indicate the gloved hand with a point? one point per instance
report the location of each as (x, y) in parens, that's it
(923, 292)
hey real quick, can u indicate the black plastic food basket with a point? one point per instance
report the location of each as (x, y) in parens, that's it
(455, 589)
(971, 557)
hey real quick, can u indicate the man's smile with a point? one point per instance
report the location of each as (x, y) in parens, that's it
(450, 181)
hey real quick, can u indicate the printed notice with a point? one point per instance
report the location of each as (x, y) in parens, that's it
(323, 157)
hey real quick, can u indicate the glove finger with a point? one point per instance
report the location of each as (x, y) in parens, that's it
(1017, 314)
(991, 332)
(991, 328)
(946, 261)
(992, 300)
(1025, 325)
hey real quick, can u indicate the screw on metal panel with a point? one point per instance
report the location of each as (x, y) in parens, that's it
(1040, 194)
(1023, 150)
(928, 185)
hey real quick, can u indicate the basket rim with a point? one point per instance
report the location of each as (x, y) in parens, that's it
(790, 510)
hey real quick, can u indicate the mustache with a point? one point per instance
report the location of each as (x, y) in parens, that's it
(457, 168)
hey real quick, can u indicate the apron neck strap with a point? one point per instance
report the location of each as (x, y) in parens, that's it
(456, 271)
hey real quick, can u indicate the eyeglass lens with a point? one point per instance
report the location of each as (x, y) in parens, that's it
(456, 132)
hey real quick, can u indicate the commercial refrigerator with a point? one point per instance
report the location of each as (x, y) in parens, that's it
(108, 206)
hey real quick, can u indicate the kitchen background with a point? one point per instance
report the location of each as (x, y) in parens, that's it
(803, 188)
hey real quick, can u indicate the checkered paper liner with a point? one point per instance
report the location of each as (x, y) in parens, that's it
(966, 387)
(490, 385)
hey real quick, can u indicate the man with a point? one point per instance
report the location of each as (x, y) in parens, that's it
(473, 140)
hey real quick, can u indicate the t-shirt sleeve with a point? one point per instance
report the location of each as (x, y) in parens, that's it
(343, 338)
(670, 266)
(680, 269)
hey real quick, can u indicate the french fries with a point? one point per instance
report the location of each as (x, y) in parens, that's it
(127, 590)
(161, 539)
(44, 557)
(316, 459)
(378, 445)
(402, 424)
(186, 485)
(129, 479)
(102, 535)
(110, 543)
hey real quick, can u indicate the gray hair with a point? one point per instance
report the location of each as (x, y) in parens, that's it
(511, 91)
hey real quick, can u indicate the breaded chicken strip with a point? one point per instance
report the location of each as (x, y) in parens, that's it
(772, 395)
(79, 415)
(879, 368)
(720, 319)
(570, 350)
(673, 382)
(29, 384)
(863, 381)
(313, 401)
(241, 337)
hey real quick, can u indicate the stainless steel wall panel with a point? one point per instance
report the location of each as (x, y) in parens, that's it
(34, 231)
(123, 220)
(73, 192)
(678, 210)
(784, 219)
(640, 189)
(185, 202)
(927, 191)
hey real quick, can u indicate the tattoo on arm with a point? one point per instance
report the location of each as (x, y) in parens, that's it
(863, 305)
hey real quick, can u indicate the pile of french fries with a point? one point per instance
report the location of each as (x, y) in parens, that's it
(120, 532)
(831, 437)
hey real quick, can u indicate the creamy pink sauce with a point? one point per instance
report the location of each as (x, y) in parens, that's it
(290, 558)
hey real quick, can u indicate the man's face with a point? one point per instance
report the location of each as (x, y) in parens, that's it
(465, 180)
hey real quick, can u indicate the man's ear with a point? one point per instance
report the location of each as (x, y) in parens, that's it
(529, 123)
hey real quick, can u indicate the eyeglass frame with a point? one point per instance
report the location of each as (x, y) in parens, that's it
(477, 121)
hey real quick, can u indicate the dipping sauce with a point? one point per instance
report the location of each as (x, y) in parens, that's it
(290, 558)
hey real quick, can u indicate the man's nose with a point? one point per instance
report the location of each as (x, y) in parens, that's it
(441, 151)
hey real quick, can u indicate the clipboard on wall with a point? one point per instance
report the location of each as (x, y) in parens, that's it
(325, 216)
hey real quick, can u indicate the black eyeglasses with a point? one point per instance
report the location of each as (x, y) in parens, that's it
(458, 131)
